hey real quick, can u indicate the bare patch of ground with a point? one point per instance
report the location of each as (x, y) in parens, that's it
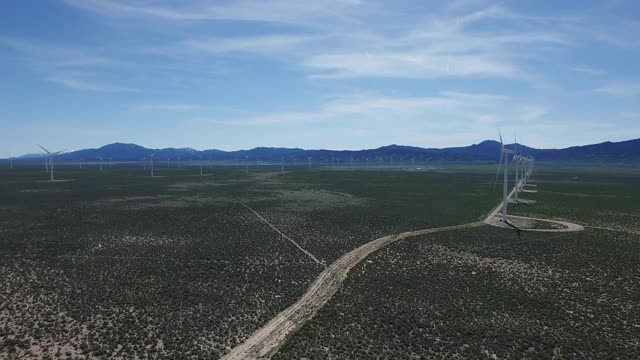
(308, 200)
(185, 186)
(160, 201)
(530, 277)
(533, 224)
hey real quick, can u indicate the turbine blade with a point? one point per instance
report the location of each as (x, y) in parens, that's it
(47, 151)
(498, 173)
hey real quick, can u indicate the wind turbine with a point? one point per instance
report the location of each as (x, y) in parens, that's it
(46, 162)
(309, 159)
(504, 156)
(101, 161)
(151, 162)
(51, 155)
(516, 159)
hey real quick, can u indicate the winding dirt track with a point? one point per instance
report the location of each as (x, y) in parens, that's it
(268, 339)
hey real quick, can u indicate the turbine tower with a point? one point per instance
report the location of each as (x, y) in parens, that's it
(516, 159)
(151, 163)
(50, 159)
(504, 156)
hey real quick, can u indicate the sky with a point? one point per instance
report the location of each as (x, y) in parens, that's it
(333, 74)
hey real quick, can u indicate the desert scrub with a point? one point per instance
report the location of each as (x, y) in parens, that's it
(483, 292)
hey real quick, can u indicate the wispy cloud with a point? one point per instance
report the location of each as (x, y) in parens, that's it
(619, 89)
(620, 33)
(476, 109)
(630, 114)
(168, 107)
(279, 11)
(81, 84)
(342, 43)
(67, 66)
(586, 70)
(43, 54)
(266, 44)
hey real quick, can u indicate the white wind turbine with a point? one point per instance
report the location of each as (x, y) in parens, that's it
(516, 159)
(504, 156)
(151, 162)
(50, 159)
(46, 162)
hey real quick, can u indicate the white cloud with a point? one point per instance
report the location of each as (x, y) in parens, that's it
(586, 70)
(80, 84)
(441, 110)
(277, 11)
(268, 44)
(66, 66)
(630, 114)
(43, 54)
(341, 41)
(169, 107)
(619, 89)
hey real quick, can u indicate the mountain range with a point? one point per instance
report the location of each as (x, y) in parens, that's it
(489, 150)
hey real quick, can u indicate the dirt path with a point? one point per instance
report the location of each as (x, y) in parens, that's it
(494, 219)
(321, 263)
(628, 231)
(271, 336)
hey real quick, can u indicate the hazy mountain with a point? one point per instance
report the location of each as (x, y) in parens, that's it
(625, 151)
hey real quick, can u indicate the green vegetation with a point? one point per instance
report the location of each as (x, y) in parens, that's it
(486, 293)
(119, 264)
(591, 196)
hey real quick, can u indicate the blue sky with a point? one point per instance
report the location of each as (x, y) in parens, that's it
(342, 74)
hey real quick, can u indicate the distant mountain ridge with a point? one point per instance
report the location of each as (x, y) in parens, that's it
(624, 151)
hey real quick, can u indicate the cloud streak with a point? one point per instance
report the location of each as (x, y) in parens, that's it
(72, 82)
(476, 109)
(619, 89)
